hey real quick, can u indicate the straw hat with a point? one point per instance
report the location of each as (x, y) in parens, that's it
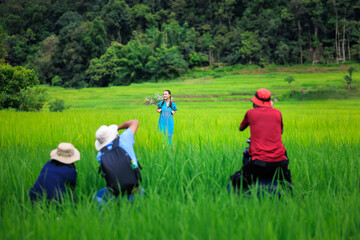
(262, 98)
(65, 153)
(105, 135)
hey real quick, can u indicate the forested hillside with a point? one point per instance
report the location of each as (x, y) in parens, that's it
(78, 43)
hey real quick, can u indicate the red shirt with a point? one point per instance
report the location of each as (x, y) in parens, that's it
(265, 134)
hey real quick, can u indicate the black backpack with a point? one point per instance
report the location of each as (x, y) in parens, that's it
(117, 171)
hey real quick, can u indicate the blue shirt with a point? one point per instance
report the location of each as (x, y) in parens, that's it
(126, 142)
(53, 179)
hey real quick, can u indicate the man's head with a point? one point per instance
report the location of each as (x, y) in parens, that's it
(105, 135)
(65, 153)
(262, 98)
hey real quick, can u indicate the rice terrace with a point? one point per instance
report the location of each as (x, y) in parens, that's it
(186, 196)
(180, 119)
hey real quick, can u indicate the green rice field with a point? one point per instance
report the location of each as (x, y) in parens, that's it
(186, 195)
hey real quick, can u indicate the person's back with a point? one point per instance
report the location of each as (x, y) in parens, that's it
(53, 179)
(267, 152)
(118, 162)
(265, 134)
(57, 174)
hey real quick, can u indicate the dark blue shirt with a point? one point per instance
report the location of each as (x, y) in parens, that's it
(53, 179)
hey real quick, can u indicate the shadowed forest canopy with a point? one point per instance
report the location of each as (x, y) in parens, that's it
(116, 42)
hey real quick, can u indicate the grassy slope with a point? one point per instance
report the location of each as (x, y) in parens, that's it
(186, 194)
(229, 84)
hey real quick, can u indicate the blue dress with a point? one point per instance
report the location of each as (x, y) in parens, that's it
(166, 120)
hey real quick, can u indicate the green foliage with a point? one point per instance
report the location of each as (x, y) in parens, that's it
(117, 20)
(289, 80)
(135, 62)
(198, 60)
(57, 106)
(14, 23)
(348, 78)
(142, 17)
(56, 81)
(3, 52)
(314, 93)
(283, 52)
(32, 99)
(250, 47)
(68, 18)
(14, 83)
(170, 63)
(43, 62)
(79, 43)
(20, 48)
(230, 32)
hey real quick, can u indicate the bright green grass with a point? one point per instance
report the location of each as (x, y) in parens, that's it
(212, 90)
(186, 187)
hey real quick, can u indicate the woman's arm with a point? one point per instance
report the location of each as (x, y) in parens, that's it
(173, 109)
(158, 110)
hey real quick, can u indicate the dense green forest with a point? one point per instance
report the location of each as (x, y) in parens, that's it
(78, 43)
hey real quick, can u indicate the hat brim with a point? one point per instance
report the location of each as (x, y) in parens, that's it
(66, 160)
(113, 133)
(260, 103)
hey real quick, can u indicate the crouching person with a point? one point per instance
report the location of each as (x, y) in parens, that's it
(118, 163)
(58, 175)
(267, 160)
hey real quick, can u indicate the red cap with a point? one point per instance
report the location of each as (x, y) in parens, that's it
(262, 98)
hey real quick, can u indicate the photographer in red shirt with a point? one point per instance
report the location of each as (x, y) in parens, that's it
(267, 152)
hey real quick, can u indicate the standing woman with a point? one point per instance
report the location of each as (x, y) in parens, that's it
(167, 109)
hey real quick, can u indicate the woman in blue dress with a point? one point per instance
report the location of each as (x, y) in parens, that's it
(167, 109)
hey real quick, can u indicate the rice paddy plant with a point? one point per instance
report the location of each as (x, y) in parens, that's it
(186, 195)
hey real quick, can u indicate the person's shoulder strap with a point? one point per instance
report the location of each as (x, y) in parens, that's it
(115, 144)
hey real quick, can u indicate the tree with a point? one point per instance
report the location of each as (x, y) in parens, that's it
(348, 78)
(3, 52)
(170, 63)
(68, 18)
(122, 65)
(104, 70)
(117, 20)
(79, 42)
(142, 17)
(289, 80)
(44, 60)
(14, 24)
(135, 62)
(19, 48)
(298, 9)
(282, 53)
(250, 47)
(225, 11)
(15, 92)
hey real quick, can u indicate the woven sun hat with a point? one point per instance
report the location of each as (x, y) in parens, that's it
(65, 153)
(262, 98)
(105, 135)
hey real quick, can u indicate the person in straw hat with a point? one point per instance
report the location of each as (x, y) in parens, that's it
(57, 174)
(118, 162)
(267, 152)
